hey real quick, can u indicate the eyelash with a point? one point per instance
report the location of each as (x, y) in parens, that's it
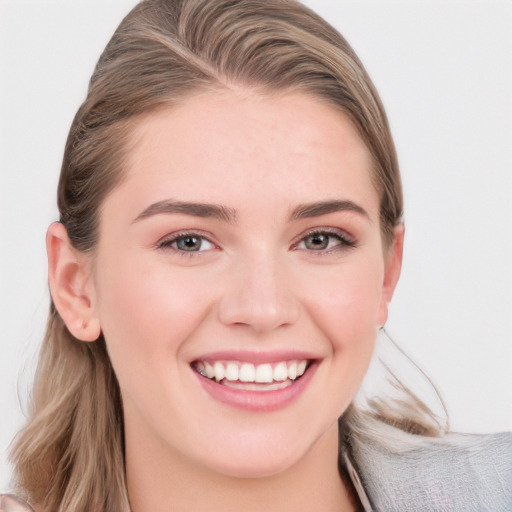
(345, 241)
(167, 242)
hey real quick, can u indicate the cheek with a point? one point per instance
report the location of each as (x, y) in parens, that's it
(348, 305)
(345, 311)
(146, 312)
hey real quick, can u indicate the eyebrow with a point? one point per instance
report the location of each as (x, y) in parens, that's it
(188, 208)
(216, 211)
(305, 211)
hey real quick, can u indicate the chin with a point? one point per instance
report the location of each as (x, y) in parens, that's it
(262, 467)
(258, 455)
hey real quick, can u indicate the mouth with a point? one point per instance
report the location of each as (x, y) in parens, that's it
(254, 386)
(253, 377)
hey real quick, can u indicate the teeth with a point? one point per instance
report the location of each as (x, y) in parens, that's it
(218, 368)
(247, 373)
(292, 371)
(265, 373)
(208, 369)
(280, 372)
(231, 372)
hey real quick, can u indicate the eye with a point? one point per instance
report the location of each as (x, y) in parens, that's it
(186, 242)
(325, 241)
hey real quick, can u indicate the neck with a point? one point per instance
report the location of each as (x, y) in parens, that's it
(313, 483)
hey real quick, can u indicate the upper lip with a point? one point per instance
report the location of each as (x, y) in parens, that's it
(257, 357)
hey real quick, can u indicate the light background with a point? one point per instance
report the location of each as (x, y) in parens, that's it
(444, 72)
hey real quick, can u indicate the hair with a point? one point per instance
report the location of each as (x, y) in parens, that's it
(70, 455)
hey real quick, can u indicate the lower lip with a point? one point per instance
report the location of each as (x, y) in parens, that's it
(262, 401)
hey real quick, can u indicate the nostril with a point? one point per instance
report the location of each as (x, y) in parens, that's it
(260, 315)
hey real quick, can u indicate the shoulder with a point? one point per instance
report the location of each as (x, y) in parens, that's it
(13, 503)
(452, 473)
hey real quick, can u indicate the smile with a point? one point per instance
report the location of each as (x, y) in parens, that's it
(264, 376)
(262, 386)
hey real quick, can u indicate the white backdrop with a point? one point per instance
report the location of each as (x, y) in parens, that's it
(444, 71)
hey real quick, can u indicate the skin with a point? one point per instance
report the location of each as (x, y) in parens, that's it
(258, 284)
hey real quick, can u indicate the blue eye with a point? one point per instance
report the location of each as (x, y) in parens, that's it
(187, 242)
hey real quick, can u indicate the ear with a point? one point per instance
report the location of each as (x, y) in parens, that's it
(392, 267)
(71, 285)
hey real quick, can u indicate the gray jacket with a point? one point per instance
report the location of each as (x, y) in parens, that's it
(454, 473)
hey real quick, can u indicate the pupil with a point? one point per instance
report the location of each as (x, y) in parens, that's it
(189, 243)
(317, 242)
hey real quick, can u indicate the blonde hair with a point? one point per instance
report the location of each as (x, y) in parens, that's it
(69, 457)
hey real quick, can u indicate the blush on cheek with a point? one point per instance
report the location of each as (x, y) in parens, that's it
(147, 310)
(351, 310)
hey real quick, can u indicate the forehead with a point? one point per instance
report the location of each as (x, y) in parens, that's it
(223, 146)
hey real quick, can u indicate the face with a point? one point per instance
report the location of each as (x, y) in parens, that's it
(240, 279)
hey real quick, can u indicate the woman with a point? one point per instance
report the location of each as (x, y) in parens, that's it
(230, 238)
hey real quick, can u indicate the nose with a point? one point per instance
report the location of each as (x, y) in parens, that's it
(259, 294)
